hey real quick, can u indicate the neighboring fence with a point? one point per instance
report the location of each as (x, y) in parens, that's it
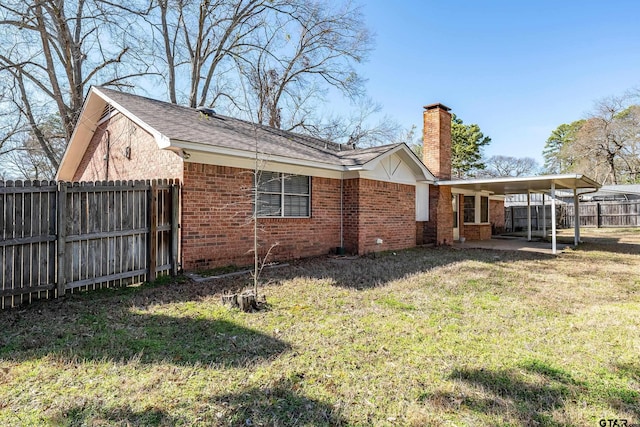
(59, 237)
(515, 217)
(592, 214)
(604, 214)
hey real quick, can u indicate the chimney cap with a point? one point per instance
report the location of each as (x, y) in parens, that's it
(437, 105)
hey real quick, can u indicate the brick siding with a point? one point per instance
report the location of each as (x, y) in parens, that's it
(378, 210)
(496, 216)
(217, 230)
(476, 231)
(439, 228)
(146, 161)
(436, 154)
(436, 139)
(216, 205)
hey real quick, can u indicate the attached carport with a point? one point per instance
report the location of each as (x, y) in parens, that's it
(578, 184)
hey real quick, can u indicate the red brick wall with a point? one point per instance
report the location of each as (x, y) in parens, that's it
(216, 226)
(146, 161)
(436, 140)
(439, 228)
(420, 232)
(496, 215)
(480, 231)
(477, 231)
(378, 210)
(351, 215)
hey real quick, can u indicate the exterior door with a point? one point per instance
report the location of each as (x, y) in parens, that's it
(456, 226)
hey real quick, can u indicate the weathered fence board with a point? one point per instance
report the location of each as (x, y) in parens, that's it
(606, 214)
(27, 241)
(592, 214)
(64, 237)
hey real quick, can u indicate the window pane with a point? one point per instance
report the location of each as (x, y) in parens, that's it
(270, 182)
(268, 205)
(296, 184)
(469, 208)
(296, 206)
(484, 209)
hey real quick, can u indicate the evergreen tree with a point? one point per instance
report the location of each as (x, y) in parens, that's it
(466, 148)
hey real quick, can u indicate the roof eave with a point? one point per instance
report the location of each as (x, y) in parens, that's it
(92, 108)
(211, 149)
(519, 185)
(162, 140)
(86, 126)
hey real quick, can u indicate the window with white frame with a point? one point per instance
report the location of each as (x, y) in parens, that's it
(284, 195)
(469, 207)
(476, 209)
(484, 209)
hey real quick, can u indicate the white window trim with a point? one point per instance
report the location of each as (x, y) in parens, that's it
(477, 209)
(282, 195)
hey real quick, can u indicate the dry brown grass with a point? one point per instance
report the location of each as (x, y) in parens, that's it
(422, 337)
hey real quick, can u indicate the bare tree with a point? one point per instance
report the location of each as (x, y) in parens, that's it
(52, 50)
(315, 46)
(499, 166)
(359, 128)
(605, 145)
(287, 53)
(26, 158)
(199, 41)
(608, 141)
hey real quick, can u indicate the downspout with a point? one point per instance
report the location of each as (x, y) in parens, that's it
(106, 156)
(341, 209)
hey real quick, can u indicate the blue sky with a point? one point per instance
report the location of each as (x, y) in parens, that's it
(517, 68)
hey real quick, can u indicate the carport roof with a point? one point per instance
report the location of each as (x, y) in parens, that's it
(521, 185)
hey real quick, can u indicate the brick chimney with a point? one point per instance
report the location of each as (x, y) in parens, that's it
(436, 155)
(436, 140)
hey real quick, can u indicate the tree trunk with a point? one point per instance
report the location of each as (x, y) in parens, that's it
(246, 301)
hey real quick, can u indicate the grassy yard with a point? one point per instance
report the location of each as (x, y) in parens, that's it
(434, 336)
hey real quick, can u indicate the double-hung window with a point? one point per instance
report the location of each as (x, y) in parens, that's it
(283, 195)
(476, 209)
(469, 209)
(484, 209)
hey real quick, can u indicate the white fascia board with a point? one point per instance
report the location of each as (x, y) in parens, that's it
(468, 192)
(246, 159)
(162, 140)
(427, 173)
(83, 131)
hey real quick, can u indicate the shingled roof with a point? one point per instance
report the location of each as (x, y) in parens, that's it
(179, 123)
(193, 133)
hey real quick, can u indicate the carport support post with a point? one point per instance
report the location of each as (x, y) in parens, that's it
(576, 220)
(553, 218)
(528, 216)
(544, 217)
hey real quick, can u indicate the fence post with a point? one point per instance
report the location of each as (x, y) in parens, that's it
(513, 220)
(62, 237)
(153, 230)
(598, 215)
(175, 224)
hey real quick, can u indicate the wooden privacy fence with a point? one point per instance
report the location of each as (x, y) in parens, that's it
(515, 217)
(57, 236)
(592, 214)
(604, 214)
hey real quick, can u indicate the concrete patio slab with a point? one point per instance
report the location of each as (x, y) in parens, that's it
(512, 244)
